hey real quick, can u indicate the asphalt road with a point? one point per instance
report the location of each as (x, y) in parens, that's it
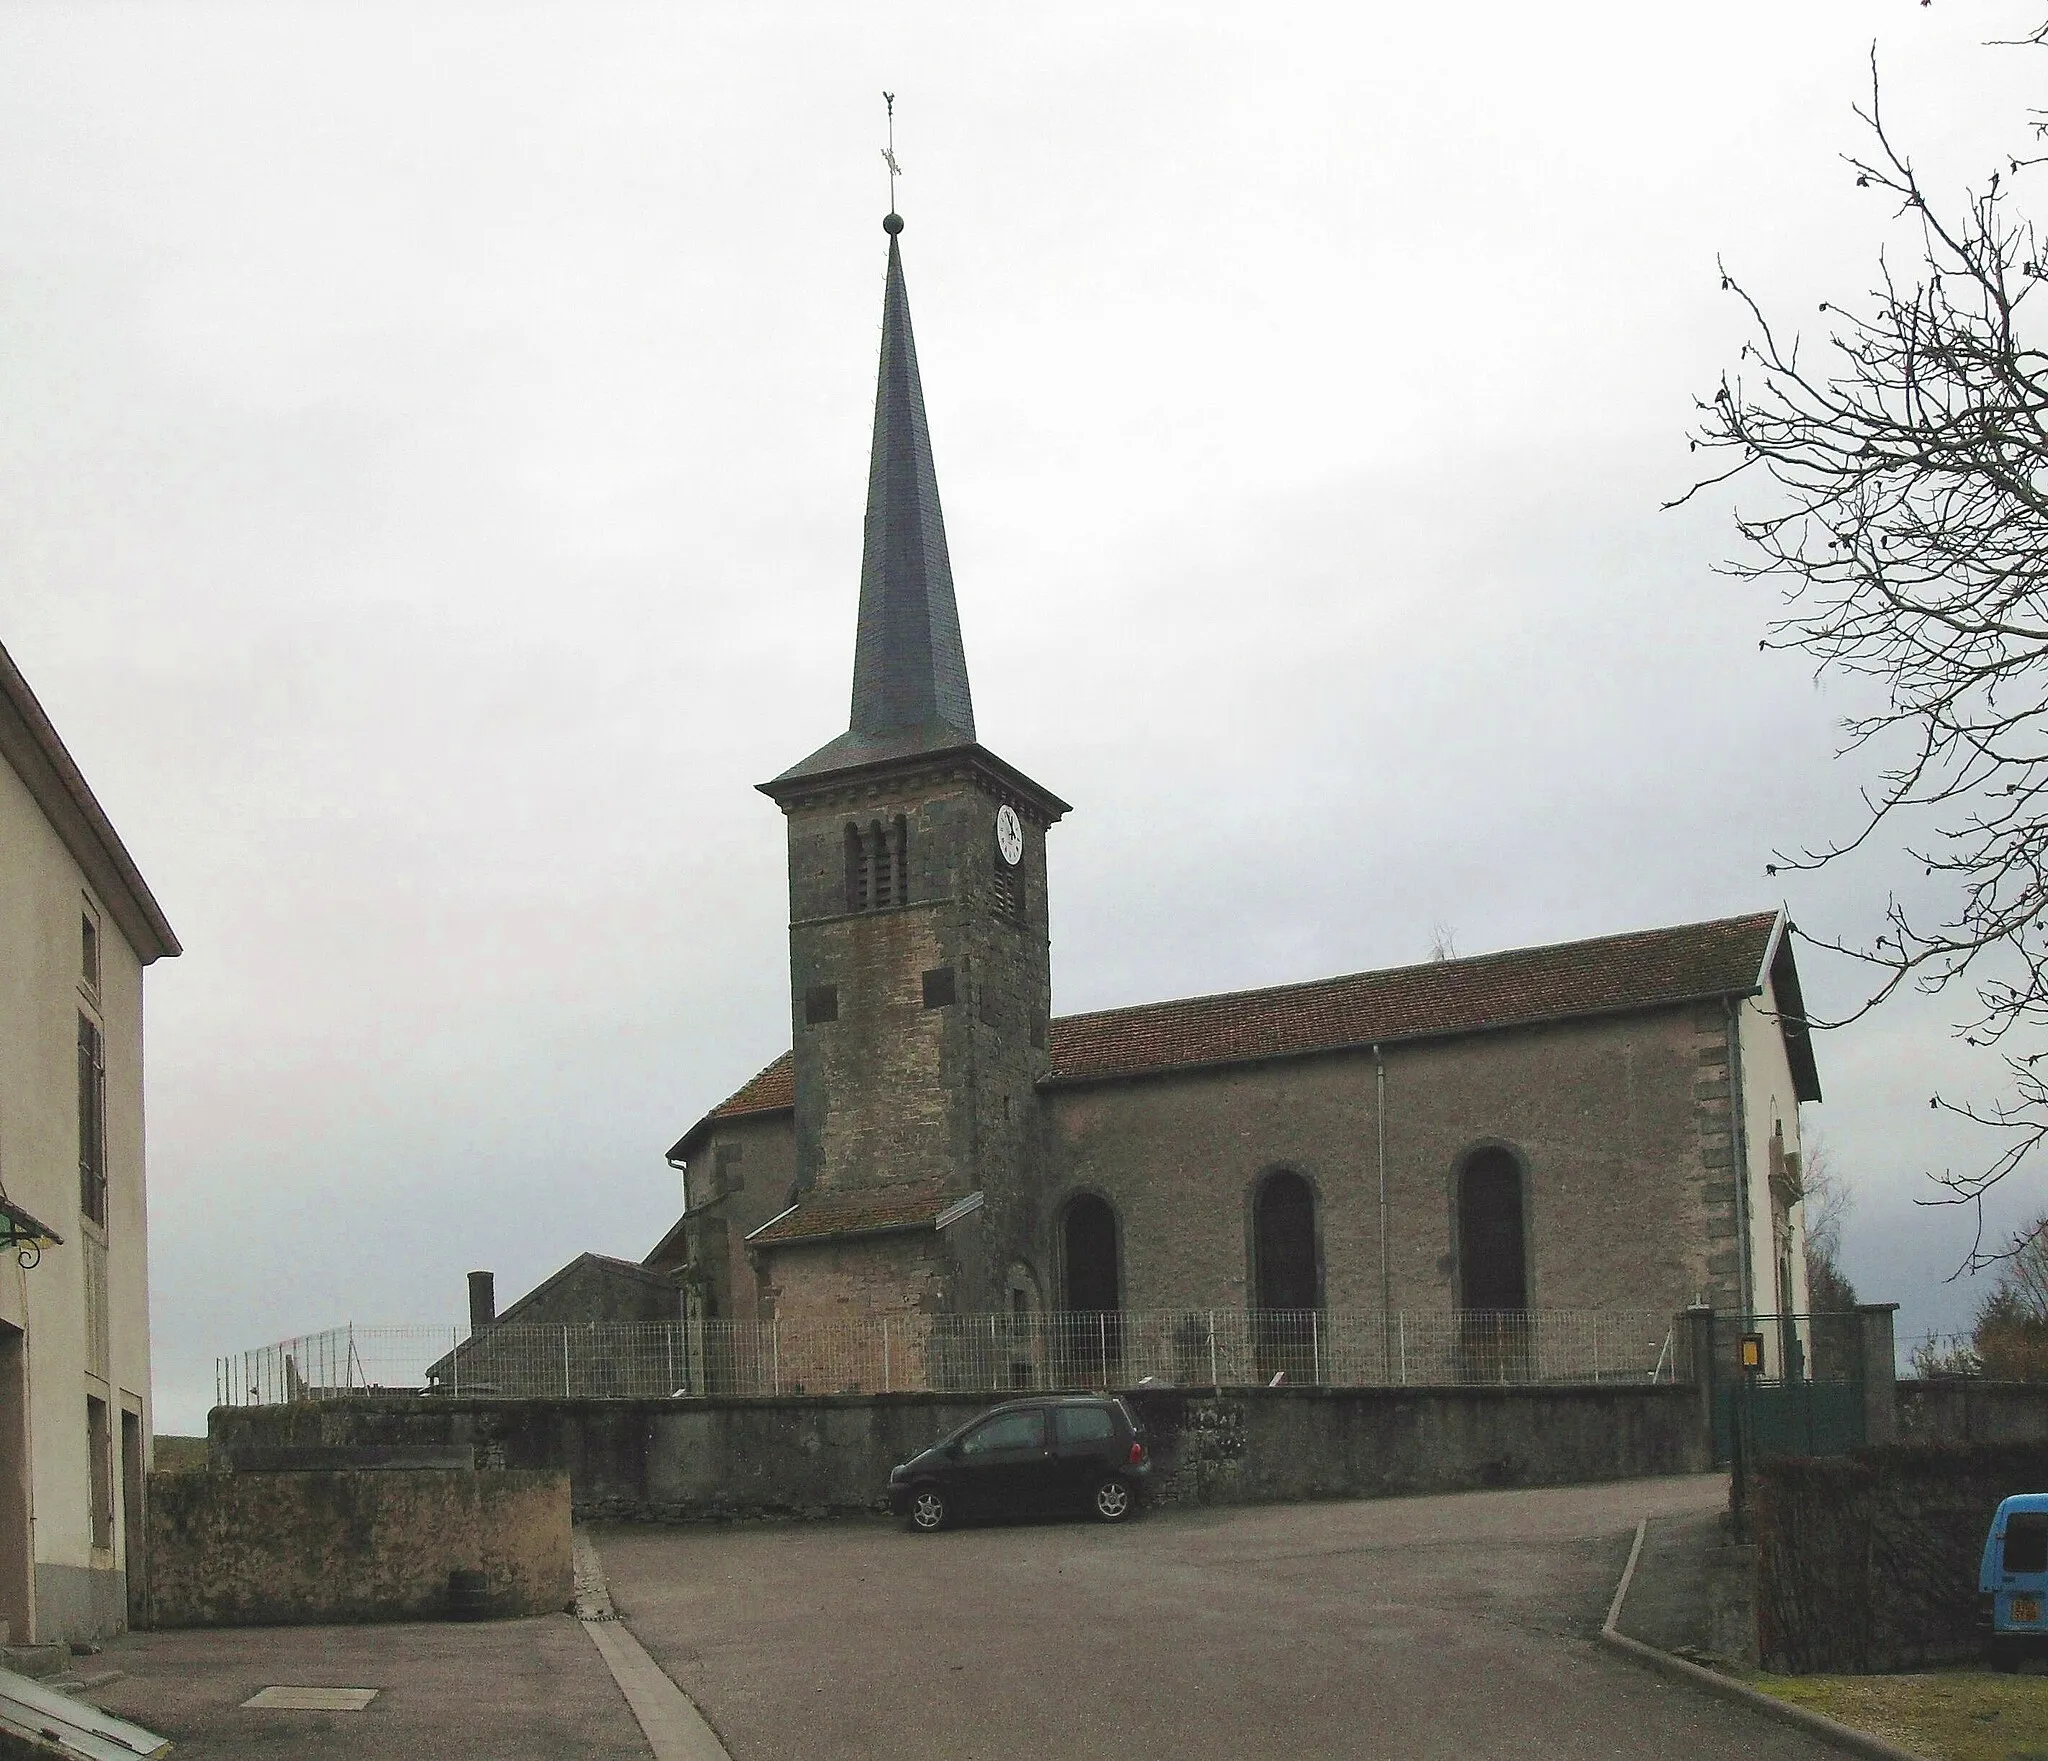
(1457, 1627)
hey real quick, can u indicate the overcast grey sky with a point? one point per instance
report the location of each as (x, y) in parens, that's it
(432, 451)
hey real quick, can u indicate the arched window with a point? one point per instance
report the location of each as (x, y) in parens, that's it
(1091, 1280)
(1493, 1266)
(1287, 1290)
(1284, 1236)
(1089, 1257)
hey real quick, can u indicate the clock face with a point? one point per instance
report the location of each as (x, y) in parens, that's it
(1009, 835)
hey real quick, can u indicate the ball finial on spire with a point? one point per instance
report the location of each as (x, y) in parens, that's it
(892, 224)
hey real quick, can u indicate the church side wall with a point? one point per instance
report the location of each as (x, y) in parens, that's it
(1618, 1125)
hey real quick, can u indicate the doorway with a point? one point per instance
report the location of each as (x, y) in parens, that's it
(134, 1549)
(16, 1569)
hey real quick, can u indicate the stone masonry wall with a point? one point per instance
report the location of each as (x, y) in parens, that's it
(278, 1549)
(670, 1460)
(1967, 1410)
(1867, 1563)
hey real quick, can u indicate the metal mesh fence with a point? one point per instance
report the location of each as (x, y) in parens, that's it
(957, 1354)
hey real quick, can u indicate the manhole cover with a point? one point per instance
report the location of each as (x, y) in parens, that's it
(313, 1699)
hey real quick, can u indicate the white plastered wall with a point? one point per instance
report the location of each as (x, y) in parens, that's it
(43, 894)
(1768, 1102)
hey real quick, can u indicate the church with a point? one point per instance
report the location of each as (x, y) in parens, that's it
(1597, 1125)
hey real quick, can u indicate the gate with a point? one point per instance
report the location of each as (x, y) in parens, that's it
(1806, 1400)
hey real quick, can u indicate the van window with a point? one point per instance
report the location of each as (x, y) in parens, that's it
(2026, 1541)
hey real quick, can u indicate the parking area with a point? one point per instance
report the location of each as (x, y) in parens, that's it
(510, 1690)
(1457, 1627)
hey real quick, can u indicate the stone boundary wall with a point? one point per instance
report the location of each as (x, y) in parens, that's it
(291, 1549)
(1867, 1563)
(1966, 1409)
(831, 1454)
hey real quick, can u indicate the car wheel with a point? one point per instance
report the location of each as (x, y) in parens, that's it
(928, 1511)
(1111, 1500)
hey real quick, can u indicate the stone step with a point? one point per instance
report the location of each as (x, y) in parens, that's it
(35, 1661)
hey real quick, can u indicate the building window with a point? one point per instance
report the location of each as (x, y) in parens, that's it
(938, 987)
(1287, 1336)
(1493, 1272)
(92, 1121)
(821, 1003)
(89, 951)
(100, 1444)
(877, 864)
(1284, 1232)
(726, 1177)
(1088, 1241)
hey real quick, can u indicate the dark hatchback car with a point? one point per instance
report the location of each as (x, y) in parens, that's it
(1062, 1452)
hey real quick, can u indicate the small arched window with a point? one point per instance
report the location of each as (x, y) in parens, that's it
(1493, 1267)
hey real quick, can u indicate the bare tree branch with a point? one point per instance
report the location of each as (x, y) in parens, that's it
(1907, 528)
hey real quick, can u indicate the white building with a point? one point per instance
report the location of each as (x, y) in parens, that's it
(77, 926)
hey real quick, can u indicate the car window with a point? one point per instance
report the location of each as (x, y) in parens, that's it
(1083, 1424)
(2026, 1541)
(1010, 1430)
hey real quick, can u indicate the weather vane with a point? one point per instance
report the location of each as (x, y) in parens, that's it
(889, 158)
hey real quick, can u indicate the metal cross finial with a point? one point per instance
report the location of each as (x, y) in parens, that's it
(889, 152)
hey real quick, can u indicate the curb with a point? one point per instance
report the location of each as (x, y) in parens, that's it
(1829, 1730)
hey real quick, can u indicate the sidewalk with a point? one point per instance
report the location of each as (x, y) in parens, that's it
(513, 1690)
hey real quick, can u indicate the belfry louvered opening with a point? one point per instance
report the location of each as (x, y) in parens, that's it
(877, 864)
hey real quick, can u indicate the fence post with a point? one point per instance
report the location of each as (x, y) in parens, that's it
(1315, 1346)
(565, 1360)
(1213, 1382)
(1401, 1322)
(886, 1384)
(668, 1342)
(775, 1348)
(455, 1361)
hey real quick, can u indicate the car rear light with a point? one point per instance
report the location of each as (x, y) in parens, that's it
(1137, 1452)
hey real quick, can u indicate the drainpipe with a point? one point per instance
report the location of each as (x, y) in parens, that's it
(1741, 1146)
(1379, 1113)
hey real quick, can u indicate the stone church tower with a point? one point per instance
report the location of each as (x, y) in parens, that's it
(920, 989)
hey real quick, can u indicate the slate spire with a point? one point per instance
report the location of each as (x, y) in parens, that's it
(909, 669)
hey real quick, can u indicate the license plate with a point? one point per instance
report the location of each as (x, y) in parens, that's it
(2026, 1608)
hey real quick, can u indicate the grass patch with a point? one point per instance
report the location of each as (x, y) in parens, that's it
(1947, 1715)
(179, 1455)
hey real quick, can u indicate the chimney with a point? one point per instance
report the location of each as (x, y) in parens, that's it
(483, 1301)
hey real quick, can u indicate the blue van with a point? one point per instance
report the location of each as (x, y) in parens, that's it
(2012, 1579)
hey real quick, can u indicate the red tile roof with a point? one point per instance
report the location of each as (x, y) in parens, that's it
(1646, 969)
(914, 1205)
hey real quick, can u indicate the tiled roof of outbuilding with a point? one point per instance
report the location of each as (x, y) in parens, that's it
(916, 1204)
(1646, 969)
